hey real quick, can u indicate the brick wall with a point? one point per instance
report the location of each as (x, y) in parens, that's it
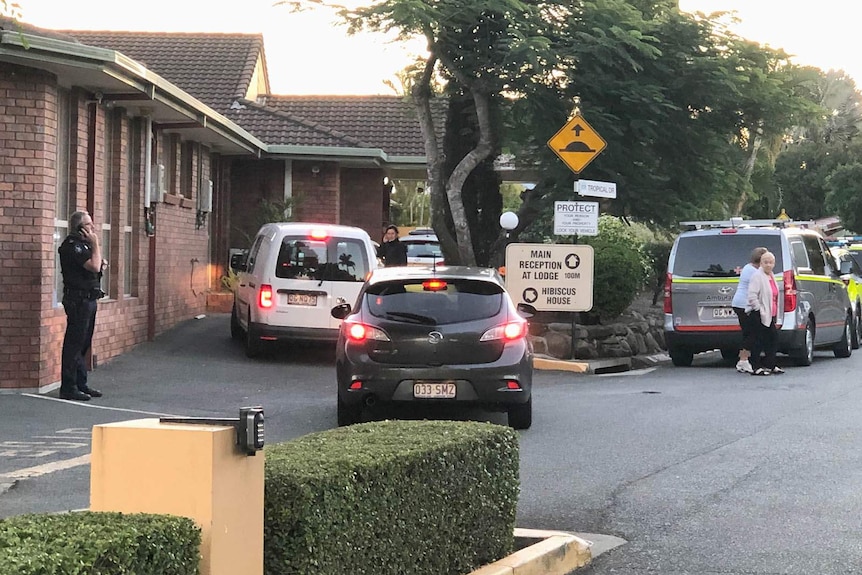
(26, 282)
(362, 195)
(32, 322)
(317, 188)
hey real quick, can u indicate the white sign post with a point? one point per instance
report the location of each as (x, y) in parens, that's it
(576, 218)
(596, 189)
(550, 277)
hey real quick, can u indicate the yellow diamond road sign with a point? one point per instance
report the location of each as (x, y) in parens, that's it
(577, 144)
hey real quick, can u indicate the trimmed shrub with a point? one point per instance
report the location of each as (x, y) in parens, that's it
(99, 543)
(391, 497)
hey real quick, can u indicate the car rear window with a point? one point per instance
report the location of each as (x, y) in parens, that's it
(332, 259)
(721, 255)
(460, 301)
(423, 249)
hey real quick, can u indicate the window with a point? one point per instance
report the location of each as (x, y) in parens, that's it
(133, 200)
(62, 192)
(111, 182)
(334, 259)
(721, 255)
(815, 256)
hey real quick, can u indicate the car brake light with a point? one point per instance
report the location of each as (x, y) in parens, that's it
(507, 332)
(789, 291)
(728, 231)
(359, 332)
(318, 234)
(264, 296)
(668, 302)
(434, 285)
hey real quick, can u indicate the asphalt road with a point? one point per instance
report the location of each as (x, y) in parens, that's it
(700, 470)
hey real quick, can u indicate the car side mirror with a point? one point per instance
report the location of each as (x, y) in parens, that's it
(526, 310)
(341, 311)
(846, 267)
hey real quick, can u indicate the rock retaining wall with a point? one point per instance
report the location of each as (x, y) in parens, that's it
(633, 333)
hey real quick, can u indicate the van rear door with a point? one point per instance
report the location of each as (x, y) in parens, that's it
(705, 275)
(352, 259)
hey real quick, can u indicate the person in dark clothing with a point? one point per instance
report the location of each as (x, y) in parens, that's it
(392, 251)
(81, 264)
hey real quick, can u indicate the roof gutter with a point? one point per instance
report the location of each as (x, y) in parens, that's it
(336, 152)
(131, 73)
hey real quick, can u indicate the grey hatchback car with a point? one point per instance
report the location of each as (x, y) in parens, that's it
(440, 334)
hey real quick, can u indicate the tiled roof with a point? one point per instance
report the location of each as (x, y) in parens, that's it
(214, 68)
(280, 128)
(217, 69)
(386, 122)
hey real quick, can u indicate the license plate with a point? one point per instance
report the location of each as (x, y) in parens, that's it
(301, 299)
(723, 312)
(434, 390)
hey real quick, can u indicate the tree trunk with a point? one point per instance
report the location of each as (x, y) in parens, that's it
(748, 170)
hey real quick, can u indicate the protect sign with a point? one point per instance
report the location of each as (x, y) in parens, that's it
(550, 277)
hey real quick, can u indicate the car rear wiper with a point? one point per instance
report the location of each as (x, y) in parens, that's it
(414, 316)
(714, 274)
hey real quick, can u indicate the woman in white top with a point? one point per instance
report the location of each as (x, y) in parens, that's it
(739, 303)
(763, 303)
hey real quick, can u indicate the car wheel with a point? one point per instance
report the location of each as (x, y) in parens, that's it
(857, 328)
(252, 342)
(521, 415)
(235, 328)
(805, 356)
(843, 347)
(348, 415)
(681, 357)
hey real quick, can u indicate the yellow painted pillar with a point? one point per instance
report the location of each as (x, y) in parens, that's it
(195, 471)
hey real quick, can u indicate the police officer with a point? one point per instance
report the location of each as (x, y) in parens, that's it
(81, 264)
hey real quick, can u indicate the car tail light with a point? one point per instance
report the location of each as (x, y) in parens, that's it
(264, 296)
(789, 291)
(359, 332)
(668, 302)
(513, 384)
(507, 332)
(434, 285)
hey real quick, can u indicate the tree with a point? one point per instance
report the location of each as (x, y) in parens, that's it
(844, 195)
(480, 44)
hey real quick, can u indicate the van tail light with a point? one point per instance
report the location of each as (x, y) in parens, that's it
(511, 331)
(668, 303)
(789, 291)
(359, 332)
(264, 296)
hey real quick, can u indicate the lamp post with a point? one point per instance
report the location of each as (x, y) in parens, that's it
(508, 221)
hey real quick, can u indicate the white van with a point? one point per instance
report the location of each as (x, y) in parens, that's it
(295, 273)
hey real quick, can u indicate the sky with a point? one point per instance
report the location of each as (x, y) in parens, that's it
(309, 54)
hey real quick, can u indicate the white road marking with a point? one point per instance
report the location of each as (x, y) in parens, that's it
(46, 468)
(93, 406)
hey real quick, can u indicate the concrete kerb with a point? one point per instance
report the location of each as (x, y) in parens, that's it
(599, 366)
(556, 553)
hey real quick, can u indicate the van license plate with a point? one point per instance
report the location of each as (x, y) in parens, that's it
(723, 312)
(301, 299)
(434, 390)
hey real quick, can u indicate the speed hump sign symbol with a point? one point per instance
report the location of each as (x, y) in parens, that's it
(577, 144)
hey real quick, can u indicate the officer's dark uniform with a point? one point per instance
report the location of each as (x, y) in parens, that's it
(80, 292)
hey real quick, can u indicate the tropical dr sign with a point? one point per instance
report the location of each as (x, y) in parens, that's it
(550, 277)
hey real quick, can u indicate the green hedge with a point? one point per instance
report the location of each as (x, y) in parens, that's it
(97, 543)
(391, 497)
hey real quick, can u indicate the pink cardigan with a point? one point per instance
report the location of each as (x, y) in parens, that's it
(760, 296)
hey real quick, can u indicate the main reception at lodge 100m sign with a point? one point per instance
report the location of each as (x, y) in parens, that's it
(550, 277)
